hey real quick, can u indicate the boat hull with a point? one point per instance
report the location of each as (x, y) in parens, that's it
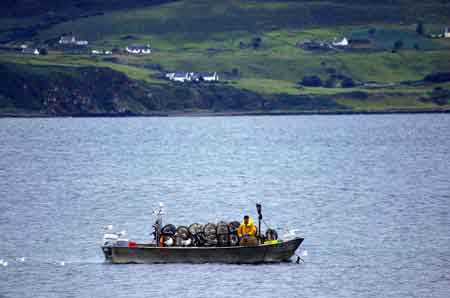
(148, 254)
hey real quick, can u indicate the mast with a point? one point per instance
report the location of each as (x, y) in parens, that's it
(258, 208)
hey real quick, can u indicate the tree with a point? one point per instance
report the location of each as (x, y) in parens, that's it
(416, 46)
(347, 83)
(330, 83)
(235, 72)
(398, 44)
(372, 30)
(420, 28)
(256, 42)
(43, 51)
(311, 81)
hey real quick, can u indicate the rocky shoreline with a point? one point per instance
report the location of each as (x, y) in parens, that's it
(226, 114)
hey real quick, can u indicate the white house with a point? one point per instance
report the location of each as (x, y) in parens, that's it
(446, 33)
(343, 43)
(209, 77)
(182, 77)
(81, 42)
(139, 49)
(101, 52)
(72, 40)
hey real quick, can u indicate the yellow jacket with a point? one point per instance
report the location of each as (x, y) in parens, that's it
(249, 229)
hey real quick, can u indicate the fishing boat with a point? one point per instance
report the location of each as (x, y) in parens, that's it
(118, 249)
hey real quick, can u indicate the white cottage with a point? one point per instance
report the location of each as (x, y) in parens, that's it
(209, 77)
(72, 40)
(139, 49)
(182, 77)
(343, 43)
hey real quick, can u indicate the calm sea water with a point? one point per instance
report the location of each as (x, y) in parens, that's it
(370, 194)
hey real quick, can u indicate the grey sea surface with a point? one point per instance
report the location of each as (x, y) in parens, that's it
(370, 194)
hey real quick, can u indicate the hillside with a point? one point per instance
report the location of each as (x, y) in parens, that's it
(252, 45)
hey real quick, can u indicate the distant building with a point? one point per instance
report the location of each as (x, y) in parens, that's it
(343, 43)
(101, 52)
(72, 40)
(30, 51)
(139, 49)
(192, 76)
(182, 77)
(446, 33)
(209, 77)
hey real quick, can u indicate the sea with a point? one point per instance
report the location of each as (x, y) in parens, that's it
(369, 193)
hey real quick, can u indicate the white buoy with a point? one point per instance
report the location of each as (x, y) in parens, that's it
(62, 263)
(4, 263)
(305, 253)
(21, 260)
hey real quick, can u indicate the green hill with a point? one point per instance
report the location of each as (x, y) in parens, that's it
(252, 44)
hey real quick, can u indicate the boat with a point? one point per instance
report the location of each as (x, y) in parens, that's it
(117, 249)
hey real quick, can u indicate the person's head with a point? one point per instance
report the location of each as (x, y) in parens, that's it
(246, 219)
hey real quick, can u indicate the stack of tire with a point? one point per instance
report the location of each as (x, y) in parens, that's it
(210, 235)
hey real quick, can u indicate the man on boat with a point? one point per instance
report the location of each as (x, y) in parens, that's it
(247, 231)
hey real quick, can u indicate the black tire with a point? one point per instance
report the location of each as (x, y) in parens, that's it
(195, 228)
(210, 229)
(169, 230)
(271, 234)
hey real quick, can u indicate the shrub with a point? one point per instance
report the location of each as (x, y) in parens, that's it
(330, 83)
(420, 28)
(311, 81)
(256, 42)
(438, 77)
(348, 83)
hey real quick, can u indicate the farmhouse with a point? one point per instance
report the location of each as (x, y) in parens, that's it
(209, 77)
(101, 52)
(72, 40)
(138, 49)
(182, 77)
(343, 43)
(192, 77)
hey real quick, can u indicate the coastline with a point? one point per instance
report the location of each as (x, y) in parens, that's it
(227, 113)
